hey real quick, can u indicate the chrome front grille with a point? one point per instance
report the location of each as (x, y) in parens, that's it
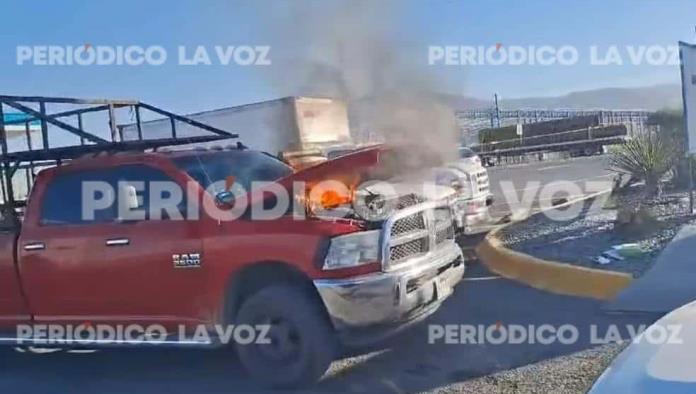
(444, 226)
(408, 224)
(481, 182)
(414, 231)
(443, 235)
(408, 249)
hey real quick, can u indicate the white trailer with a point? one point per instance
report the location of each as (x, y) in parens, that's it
(287, 127)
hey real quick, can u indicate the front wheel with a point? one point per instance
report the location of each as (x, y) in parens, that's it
(300, 343)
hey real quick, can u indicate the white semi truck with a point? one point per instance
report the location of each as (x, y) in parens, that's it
(304, 131)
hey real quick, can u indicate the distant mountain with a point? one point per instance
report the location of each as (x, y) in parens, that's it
(464, 102)
(647, 98)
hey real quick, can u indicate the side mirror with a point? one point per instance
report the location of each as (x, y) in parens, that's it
(225, 198)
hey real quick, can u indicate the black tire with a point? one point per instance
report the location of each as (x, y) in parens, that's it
(300, 329)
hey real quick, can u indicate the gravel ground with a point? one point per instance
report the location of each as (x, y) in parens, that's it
(580, 240)
(574, 373)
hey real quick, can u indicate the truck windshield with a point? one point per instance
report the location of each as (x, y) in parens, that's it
(245, 166)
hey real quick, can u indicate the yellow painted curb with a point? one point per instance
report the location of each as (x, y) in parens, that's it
(552, 276)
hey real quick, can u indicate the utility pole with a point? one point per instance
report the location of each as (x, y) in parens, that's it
(497, 110)
(691, 185)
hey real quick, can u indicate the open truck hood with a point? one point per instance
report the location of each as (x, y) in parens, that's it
(364, 165)
(319, 190)
(364, 172)
(356, 164)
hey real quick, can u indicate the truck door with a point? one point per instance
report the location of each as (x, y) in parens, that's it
(13, 309)
(106, 269)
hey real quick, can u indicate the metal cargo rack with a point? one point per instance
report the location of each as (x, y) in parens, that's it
(45, 155)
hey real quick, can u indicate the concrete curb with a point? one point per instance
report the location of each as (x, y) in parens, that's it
(552, 276)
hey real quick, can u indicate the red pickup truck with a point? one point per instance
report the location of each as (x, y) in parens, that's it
(310, 285)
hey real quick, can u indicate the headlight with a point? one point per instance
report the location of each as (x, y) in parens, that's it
(352, 250)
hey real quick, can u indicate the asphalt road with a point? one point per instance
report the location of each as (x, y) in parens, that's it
(520, 183)
(405, 363)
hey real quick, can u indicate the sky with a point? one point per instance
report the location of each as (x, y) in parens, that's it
(290, 31)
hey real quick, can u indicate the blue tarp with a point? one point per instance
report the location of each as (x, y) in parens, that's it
(14, 116)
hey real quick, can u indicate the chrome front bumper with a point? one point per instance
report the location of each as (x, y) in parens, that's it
(388, 298)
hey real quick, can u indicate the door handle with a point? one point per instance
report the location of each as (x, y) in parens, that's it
(117, 242)
(35, 246)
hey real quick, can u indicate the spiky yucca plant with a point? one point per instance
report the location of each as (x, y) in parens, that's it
(647, 156)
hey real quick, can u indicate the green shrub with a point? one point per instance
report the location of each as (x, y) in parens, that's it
(647, 157)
